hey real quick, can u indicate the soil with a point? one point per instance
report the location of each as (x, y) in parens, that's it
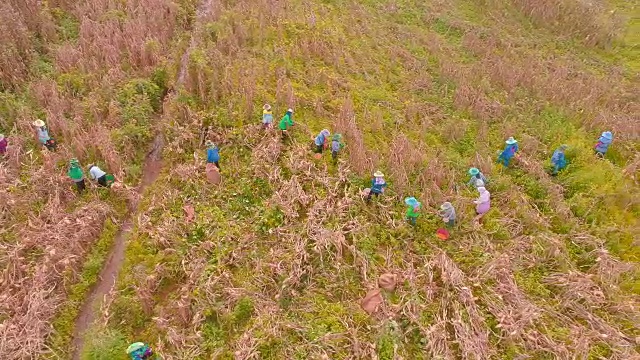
(151, 171)
(109, 273)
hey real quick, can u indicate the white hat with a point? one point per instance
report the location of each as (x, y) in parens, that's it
(267, 107)
(378, 174)
(290, 110)
(38, 123)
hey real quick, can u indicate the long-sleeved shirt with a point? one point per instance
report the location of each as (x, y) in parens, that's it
(603, 144)
(320, 139)
(213, 155)
(96, 173)
(267, 117)
(413, 212)
(474, 180)
(449, 213)
(43, 135)
(509, 151)
(378, 185)
(336, 145)
(75, 173)
(483, 198)
(286, 121)
(558, 159)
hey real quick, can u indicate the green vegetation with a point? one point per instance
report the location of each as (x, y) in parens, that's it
(277, 258)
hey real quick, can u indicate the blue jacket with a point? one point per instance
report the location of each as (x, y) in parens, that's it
(213, 155)
(603, 144)
(320, 139)
(558, 159)
(509, 151)
(376, 187)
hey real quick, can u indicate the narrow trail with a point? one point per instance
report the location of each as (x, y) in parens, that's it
(151, 170)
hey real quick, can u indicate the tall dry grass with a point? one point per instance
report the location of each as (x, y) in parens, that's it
(360, 158)
(590, 21)
(17, 49)
(600, 101)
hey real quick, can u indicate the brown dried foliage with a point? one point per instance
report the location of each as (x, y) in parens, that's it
(32, 282)
(360, 159)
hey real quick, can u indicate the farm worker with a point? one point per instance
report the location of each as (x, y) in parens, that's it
(139, 351)
(213, 154)
(96, 173)
(558, 160)
(603, 143)
(377, 185)
(413, 211)
(43, 133)
(483, 203)
(448, 214)
(321, 140)
(286, 122)
(3, 145)
(477, 178)
(336, 146)
(508, 152)
(267, 116)
(76, 175)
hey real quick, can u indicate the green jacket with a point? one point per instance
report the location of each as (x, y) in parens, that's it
(286, 121)
(411, 213)
(75, 173)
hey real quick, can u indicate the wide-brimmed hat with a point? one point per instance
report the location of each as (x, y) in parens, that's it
(607, 135)
(446, 205)
(325, 132)
(290, 110)
(564, 147)
(511, 140)
(74, 161)
(90, 166)
(474, 171)
(337, 136)
(267, 107)
(1, 136)
(378, 174)
(209, 143)
(411, 201)
(134, 347)
(38, 123)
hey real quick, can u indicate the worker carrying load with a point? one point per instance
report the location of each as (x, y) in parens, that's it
(558, 160)
(377, 185)
(139, 351)
(509, 152)
(104, 179)
(267, 116)
(320, 142)
(213, 154)
(603, 143)
(336, 146)
(286, 122)
(477, 178)
(43, 135)
(76, 175)
(413, 211)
